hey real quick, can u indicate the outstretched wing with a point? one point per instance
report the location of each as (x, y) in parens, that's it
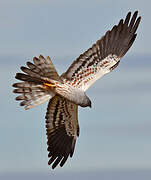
(105, 55)
(62, 129)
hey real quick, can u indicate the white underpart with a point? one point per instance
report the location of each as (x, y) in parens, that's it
(101, 71)
(70, 92)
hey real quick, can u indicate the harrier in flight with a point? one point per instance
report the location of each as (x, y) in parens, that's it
(40, 82)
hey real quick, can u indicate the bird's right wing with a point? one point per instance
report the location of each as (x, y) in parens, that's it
(62, 129)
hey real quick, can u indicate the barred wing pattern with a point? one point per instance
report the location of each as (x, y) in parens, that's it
(103, 56)
(31, 89)
(62, 129)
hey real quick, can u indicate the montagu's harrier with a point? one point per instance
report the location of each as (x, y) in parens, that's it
(40, 82)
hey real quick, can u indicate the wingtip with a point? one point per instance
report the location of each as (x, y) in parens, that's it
(136, 12)
(139, 18)
(129, 13)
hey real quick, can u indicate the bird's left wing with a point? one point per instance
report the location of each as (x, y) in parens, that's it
(62, 129)
(103, 56)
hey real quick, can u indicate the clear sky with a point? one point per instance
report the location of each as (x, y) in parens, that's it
(116, 132)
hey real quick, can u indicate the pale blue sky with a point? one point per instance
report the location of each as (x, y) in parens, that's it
(53, 27)
(116, 132)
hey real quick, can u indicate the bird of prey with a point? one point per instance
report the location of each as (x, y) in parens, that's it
(40, 82)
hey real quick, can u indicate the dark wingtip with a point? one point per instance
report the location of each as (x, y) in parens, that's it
(139, 19)
(127, 18)
(136, 12)
(64, 160)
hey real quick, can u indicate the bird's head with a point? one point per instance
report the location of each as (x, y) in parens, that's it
(86, 102)
(89, 103)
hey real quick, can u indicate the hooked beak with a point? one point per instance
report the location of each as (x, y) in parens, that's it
(90, 104)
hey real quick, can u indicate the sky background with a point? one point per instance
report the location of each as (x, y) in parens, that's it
(115, 134)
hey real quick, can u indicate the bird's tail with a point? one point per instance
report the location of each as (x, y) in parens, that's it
(34, 89)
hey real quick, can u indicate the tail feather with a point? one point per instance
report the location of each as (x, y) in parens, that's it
(28, 78)
(46, 67)
(30, 72)
(34, 68)
(32, 89)
(35, 100)
(31, 94)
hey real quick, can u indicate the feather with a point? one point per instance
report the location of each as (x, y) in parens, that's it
(32, 88)
(61, 137)
(103, 56)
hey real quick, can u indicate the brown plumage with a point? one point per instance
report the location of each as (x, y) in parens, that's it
(62, 129)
